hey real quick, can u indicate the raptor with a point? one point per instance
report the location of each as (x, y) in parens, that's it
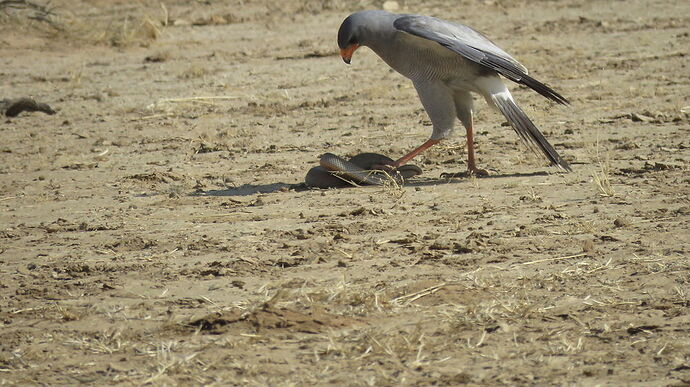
(446, 62)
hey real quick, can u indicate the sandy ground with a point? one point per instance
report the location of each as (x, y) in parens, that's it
(149, 235)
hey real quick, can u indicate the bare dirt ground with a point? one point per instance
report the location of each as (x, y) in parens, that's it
(149, 234)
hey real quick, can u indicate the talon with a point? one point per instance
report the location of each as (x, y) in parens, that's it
(452, 175)
(390, 168)
(478, 172)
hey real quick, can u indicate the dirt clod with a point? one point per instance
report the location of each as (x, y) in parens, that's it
(12, 107)
(621, 222)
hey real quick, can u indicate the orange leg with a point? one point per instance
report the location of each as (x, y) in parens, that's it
(471, 166)
(403, 160)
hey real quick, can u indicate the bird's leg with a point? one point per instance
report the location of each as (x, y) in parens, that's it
(472, 169)
(471, 165)
(403, 160)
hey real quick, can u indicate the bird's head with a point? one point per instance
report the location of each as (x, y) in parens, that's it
(348, 37)
(361, 29)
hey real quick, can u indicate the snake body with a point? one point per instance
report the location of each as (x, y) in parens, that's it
(334, 171)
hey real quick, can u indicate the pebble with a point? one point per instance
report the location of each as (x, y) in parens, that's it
(620, 222)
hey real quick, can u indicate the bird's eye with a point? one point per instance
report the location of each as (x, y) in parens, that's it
(352, 41)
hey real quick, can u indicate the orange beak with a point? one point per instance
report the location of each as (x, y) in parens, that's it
(346, 53)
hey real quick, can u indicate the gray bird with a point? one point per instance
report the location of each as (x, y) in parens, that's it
(446, 62)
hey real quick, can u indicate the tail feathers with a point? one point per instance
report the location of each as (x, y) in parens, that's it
(527, 131)
(543, 89)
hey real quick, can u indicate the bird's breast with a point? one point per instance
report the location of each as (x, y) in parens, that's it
(426, 64)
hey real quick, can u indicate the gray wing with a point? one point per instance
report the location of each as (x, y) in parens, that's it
(474, 46)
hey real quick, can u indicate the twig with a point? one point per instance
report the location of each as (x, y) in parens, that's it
(422, 293)
(203, 100)
(553, 259)
(192, 99)
(154, 116)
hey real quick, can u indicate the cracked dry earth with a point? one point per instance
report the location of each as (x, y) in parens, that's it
(150, 234)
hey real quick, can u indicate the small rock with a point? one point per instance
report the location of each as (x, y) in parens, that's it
(621, 222)
(157, 57)
(460, 249)
(12, 107)
(685, 210)
(440, 245)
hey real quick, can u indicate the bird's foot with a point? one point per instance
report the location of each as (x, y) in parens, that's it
(479, 172)
(404, 172)
(382, 166)
(476, 172)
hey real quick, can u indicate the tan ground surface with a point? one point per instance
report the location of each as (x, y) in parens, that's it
(166, 242)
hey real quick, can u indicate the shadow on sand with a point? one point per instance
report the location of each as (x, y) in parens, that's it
(460, 178)
(250, 189)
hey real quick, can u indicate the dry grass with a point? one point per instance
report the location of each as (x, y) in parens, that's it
(132, 27)
(167, 361)
(19, 11)
(130, 31)
(602, 182)
(107, 342)
(600, 177)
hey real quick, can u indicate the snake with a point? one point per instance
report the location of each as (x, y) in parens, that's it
(334, 171)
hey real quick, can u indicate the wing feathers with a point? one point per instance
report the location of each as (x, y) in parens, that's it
(474, 46)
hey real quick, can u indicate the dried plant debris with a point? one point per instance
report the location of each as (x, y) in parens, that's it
(30, 10)
(12, 107)
(267, 318)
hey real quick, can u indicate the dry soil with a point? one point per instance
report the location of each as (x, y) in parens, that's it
(154, 230)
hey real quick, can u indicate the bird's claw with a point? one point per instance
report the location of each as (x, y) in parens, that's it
(384, 167)
(477, 172)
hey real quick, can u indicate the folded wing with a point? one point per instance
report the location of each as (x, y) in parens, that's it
(474, 46)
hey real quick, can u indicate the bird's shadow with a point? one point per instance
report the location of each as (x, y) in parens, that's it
(251, 189)
(430, 181)
(505, 175)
